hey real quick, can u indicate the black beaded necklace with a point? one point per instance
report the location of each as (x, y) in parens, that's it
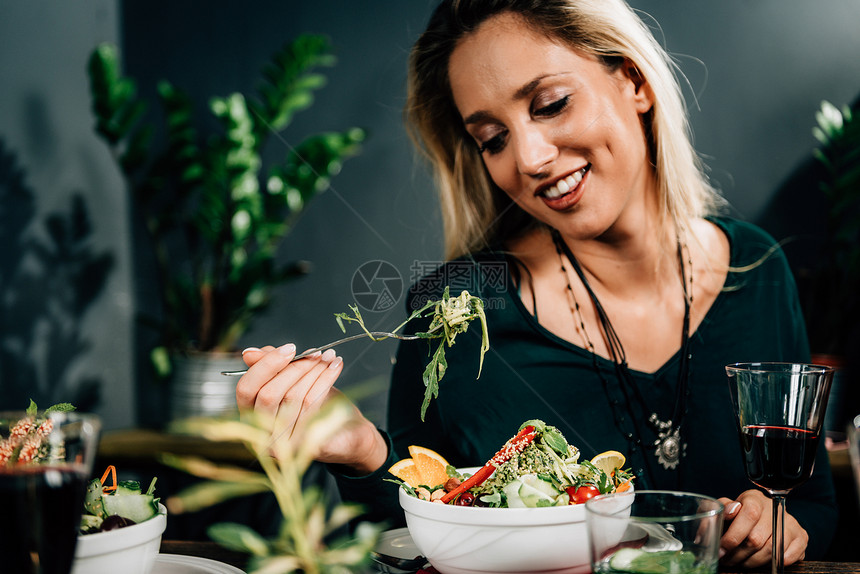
(669, 446)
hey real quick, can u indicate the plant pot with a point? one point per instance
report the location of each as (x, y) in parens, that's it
(198, 388)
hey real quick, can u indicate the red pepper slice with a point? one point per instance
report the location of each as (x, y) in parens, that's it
(513, 446)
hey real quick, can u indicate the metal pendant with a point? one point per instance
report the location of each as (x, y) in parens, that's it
(668, 446)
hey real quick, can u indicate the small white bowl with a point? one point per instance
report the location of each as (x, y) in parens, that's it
(130, 550)
(479, 540)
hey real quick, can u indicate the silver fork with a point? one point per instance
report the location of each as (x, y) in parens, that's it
(373, 334)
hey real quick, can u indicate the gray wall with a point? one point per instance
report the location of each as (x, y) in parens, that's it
(54, 344)
(758, 70)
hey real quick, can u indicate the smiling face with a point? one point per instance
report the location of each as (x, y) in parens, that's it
(559, 132)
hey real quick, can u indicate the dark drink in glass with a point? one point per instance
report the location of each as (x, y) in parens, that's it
(40, 508)
(778, 458)
(779, 408)
(45, 463)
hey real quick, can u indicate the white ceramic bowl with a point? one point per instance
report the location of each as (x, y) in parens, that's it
(476, 540)
(130, 550)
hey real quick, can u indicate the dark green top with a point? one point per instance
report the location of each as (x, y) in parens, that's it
(530, 373)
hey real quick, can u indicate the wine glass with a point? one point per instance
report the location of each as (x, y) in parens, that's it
(45, 464)
(780, 410)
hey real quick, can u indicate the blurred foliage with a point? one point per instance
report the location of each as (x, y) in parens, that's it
(311, 538)
(215, 213)
(833, 310)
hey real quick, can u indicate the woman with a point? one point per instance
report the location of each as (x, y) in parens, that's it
(576, 208)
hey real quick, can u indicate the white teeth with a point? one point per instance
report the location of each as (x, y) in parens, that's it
(565, 185)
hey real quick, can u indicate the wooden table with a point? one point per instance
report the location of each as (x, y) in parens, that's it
(144, 446)
(213, 551)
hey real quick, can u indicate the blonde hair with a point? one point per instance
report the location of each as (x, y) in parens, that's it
(478, 214)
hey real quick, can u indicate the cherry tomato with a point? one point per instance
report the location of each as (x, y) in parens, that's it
(579, 494)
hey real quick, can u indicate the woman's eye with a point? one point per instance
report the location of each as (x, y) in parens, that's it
(552, 109)
(493, 145)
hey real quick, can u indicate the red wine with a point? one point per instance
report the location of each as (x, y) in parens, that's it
(778, 458)
(40, 512)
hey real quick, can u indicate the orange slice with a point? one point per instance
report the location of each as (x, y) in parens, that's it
(431, 465)
(407, 471)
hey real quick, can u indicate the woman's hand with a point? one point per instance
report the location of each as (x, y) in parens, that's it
(746, 540)
(277, 385)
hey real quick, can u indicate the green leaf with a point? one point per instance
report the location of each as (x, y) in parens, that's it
(32, 409)
(555, 440)
(239, 537)
(137, 150)
(290, 82)
(434, 371)
(275, 565)
(662, 562)
(205, 494)
(60, 408)
(310, 82)
(160, 358)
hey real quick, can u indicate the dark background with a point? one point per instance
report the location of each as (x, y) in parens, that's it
(756, 73)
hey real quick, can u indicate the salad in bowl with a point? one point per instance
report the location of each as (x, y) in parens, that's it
(120, 529)
(522, 512)
(536, 468)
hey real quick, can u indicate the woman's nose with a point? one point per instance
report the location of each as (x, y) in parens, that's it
(534, 151)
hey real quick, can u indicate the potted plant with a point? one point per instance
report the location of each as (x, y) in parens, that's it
(215, 214)
(832, 307)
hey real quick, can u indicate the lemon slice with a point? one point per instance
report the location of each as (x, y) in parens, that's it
(430, 464)
(608, 461)
(407, 471)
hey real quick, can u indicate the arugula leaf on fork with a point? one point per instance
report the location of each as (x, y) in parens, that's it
(450, 317)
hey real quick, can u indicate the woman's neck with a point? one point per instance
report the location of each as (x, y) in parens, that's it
(629, 257)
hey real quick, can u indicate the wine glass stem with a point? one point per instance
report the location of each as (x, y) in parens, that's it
(777, 561)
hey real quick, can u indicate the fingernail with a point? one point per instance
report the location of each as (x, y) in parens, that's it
(328, 355)
(722, 552)
(287, 349)
(335, 363)
(733, 507)
(249, 349)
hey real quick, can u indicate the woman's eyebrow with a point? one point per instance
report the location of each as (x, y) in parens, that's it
(521, 93)
(527, 89)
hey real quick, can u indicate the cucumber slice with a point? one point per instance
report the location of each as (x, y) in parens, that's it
(532, 496)
(90, 523)
(662, 562)
(512, 494)
(541, 483)
(93, 498)
(137, 507)
(128, 487)
(622, 559)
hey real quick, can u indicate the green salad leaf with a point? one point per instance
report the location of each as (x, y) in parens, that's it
(450, 316)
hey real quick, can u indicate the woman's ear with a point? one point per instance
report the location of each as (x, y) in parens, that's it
(643, 95)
